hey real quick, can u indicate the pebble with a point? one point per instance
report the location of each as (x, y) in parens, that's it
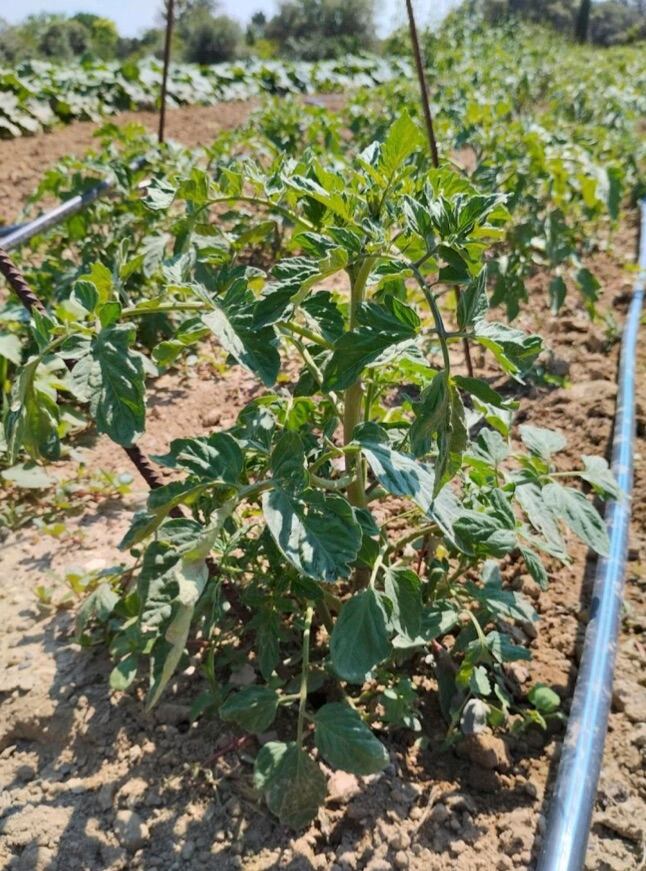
(171, 714)
(401, 859)
(487, 751)
(347, 859)
(130, 830)
(106, 796)
(400, 841)
(457, 847)
(440, 813)
(638, 737)
(625, 819)
(26, 772)
(343, 787)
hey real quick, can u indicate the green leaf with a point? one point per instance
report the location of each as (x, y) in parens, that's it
(397, 472)
(543, 442)
(504, 650)
(10, 348)
(115, 383)
(99, 606)
(557, 290)
(457, 269)
(316, 532)
(191, 577)
(254, 348)
(491, 447)
(288, 462)
(253, 708)
(216, 457)
(380, 327)
(28, 475)
(359, 639)
(579, 515)
(514, 350)
(403, 138)
(473, 303)
(431, 414)
(293, 783)
(499, 602)
(589, 285)
(452, 441)
(33, 418)
(403, 588)
(535, 567)
(480, 533)
(598, 473)
(532, 501)
(124, 673)
(481, 390)
(160, 193)
(544, 699)
(479, 682)
(346, 742)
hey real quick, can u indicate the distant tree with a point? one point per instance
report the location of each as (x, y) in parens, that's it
(583, 21)
(104, 37)
(613, 23)
(205, 37)
(62, 39)
(603, 23)
(10, 43)
(315, 29)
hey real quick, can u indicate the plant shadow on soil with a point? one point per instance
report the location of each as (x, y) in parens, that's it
(99, 759)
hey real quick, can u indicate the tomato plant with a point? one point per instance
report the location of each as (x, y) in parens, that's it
(361, 510)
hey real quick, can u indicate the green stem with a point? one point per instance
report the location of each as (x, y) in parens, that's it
(437, 317)
(331, 454)
(306, 334)
(328, 484)
(268, 204)
(253, 490)
(325, 615)
(304, 672)
(134, 312)
(354, 394)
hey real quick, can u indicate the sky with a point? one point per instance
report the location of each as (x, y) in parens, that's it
(134, 16)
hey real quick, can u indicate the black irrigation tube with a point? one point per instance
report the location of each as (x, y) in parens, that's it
(568, 827)
(22, 233)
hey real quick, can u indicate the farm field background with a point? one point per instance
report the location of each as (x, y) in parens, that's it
(543, 142)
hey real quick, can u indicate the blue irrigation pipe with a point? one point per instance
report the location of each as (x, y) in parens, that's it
(568, 826)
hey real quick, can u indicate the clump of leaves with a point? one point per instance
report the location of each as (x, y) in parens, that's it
(354, 518)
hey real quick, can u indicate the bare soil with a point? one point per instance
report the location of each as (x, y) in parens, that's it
(23, 161)
(89, 781)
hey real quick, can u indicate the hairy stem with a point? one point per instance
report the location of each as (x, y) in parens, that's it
(305, 668)
(353, 399)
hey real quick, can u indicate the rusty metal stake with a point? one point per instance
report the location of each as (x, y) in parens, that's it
(167, 47)
(430, 132)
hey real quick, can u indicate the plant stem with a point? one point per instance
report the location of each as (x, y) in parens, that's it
(437, 317)
(352, 414)
(306, 333)
(305, 668)
(265, 203)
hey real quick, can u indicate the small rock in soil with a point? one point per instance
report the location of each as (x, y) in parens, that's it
(130, 830)
(342, 787)
(401, 859)
(487, 751)
(624, 819)
(171, 714)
